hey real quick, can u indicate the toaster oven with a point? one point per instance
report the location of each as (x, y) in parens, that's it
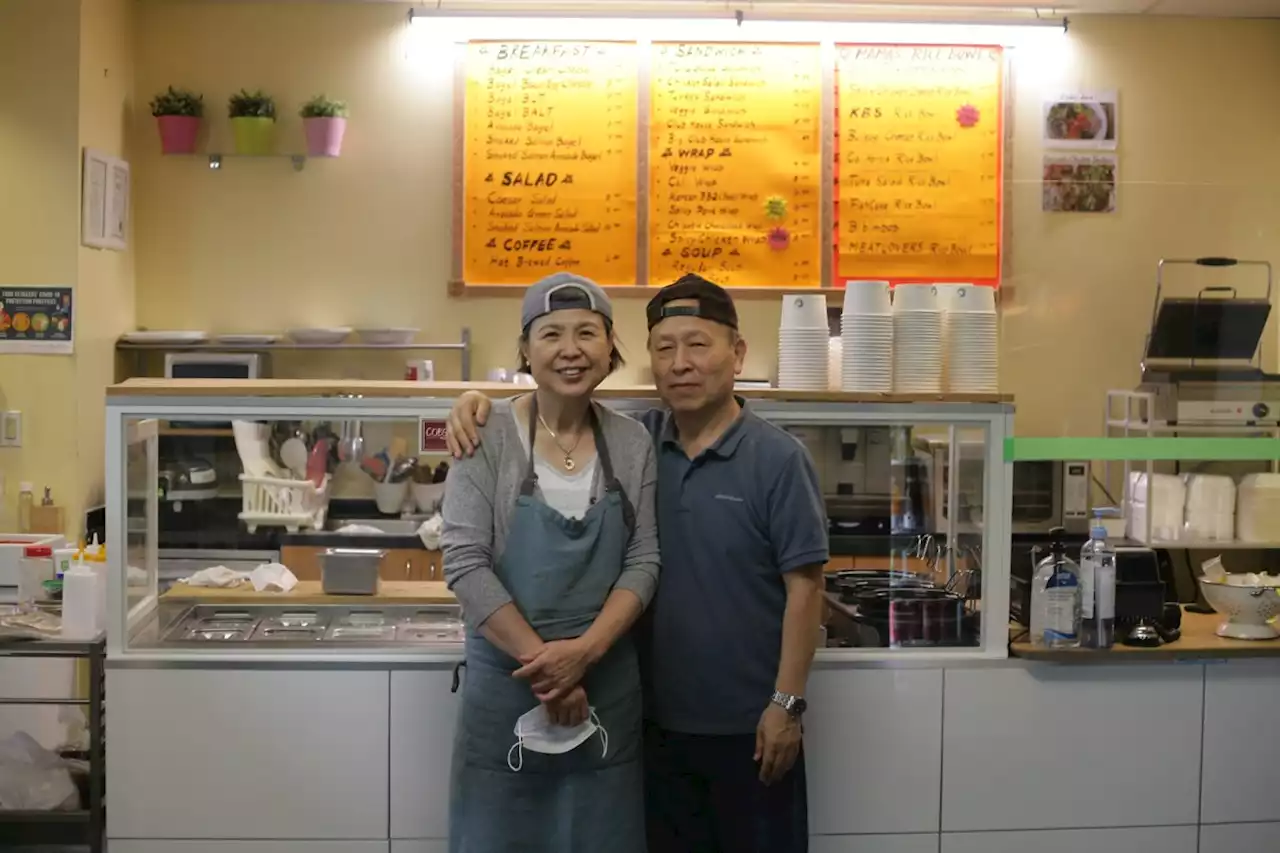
(1046, 494)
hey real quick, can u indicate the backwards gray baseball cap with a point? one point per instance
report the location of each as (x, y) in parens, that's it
(564, 290)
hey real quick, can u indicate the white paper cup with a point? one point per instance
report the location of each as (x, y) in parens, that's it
(867, 297)
(804, 311)
(969, 298)
(390, 497)
(915, 297)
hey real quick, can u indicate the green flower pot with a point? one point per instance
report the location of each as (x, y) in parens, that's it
(254, 135)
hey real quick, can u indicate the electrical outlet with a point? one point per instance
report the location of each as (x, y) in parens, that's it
(11, 429)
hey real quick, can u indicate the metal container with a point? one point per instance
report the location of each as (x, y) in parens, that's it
(350, 571)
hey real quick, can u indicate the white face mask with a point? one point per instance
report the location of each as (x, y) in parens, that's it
(534, 730)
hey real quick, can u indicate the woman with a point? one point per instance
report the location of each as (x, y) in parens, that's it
(550, 543)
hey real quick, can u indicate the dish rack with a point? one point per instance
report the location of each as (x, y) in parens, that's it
(277, 502)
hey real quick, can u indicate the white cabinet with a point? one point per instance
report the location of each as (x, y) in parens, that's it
(1159, 839)
(1241, 764)
(923, 843)
(873, 748)
(1118, 743)
(1239, 837)
(248, 754)
(423, 718)
(170, 846)
(419, 847)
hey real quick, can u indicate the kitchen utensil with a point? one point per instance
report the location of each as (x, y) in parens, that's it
(402, 471)
(390, 497)
(350, 571)
(374, 467)
(1248, 608)
(320, 336)
(351, 441)
(397, 449)
(388, 337)
(318, 461)
(293, 452)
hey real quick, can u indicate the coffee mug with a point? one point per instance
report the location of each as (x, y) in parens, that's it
(420, 370)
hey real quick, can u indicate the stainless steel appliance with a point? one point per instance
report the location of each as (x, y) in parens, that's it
(1046, 494)
(213, 365)
(1202, 362)
(175, 564)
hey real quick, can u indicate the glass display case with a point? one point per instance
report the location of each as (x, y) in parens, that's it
(302, 469)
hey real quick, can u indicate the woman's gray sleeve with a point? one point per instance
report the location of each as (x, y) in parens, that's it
(467, 538)
(641, 564)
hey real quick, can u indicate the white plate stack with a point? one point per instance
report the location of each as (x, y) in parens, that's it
(866, 334)
(802, 342)
(917, 339)
(972, 333)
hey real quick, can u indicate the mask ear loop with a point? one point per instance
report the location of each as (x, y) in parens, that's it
(518, 749)
(604, 734)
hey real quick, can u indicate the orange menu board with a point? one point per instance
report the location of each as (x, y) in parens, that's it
(918, 162)
(735, 164)
(549, 161)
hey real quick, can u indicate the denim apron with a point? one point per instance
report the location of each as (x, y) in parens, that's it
(559, 571)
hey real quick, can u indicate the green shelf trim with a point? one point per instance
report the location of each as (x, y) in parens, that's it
(1161, 449)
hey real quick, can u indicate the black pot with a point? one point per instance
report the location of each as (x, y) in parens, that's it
(916, 616)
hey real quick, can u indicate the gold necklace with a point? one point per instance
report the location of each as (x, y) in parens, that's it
(569, 464)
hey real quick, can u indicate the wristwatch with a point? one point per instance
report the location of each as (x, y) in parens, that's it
(793, 705)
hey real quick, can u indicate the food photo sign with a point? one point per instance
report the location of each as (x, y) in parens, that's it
(1081, 121)
(36, 319)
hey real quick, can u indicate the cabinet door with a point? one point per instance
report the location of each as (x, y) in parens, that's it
(401, 564)
(423, 717)
(1241, 773)
(303, 561)
(873, 749)
(1239, 837)
(1156, 839)
(1118, 743)
(925, 843)
(248, 754)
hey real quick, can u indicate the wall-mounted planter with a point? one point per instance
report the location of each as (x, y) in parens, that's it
(324, 136)
(178, 134)
(254, 135)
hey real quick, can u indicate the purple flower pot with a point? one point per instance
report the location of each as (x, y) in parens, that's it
(178, 134)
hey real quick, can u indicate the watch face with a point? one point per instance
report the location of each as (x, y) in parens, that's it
(800, 706)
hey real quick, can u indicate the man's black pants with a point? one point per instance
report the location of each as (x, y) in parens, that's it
(703, 794)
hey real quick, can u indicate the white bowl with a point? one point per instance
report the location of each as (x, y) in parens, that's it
(332, 335)
(388, 337)
(867, 297)
(915, 297)
(1248, 609)
(804, 311)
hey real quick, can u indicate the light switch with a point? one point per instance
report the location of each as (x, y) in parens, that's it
(11, 429)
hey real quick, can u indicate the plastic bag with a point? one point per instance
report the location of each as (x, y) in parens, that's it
(33, 778)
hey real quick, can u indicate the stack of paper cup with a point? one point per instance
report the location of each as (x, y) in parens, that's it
(917, 339)
(866, 332)
(973, 365)
(835, 349)
(802, 342)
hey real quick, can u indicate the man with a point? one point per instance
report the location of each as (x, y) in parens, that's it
(730, 634)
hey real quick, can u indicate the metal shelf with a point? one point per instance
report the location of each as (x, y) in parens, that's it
(1208, 545)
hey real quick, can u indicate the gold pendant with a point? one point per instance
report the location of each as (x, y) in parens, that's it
(569, 464)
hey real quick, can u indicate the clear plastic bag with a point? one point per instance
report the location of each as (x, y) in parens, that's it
(33, 778)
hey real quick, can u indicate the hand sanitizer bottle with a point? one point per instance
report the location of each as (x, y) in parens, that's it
(1055, 598)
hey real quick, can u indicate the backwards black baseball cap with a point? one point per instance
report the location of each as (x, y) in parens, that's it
(713, 302)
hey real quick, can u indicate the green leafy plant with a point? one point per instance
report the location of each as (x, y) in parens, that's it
(322, 107)
(255, 104)
(178, 102)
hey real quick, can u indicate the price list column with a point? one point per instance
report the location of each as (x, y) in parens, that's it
(918, 162)
(550, 154)
(735, 164)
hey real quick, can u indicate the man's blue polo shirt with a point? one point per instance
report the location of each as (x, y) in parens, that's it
(731, 523)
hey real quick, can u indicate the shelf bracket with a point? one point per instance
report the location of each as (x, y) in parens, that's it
(299, 161)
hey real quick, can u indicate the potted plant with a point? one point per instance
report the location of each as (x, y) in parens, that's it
(178, 113)
(253, 121)
(325, 122)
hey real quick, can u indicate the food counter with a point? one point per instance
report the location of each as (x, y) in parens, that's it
(922, 735)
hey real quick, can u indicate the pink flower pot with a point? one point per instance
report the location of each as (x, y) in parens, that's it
(178, 134)
(324, 136)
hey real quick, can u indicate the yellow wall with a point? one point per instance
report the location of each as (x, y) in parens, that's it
(105, 290)
(39, 228)
(366, 239)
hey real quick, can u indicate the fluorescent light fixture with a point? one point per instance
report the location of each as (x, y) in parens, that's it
(666, 21)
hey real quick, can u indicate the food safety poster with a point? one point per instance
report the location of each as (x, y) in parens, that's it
(36, 319)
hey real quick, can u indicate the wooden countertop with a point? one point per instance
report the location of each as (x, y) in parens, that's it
(309, 592)
(1199, 641)
(393, 389)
